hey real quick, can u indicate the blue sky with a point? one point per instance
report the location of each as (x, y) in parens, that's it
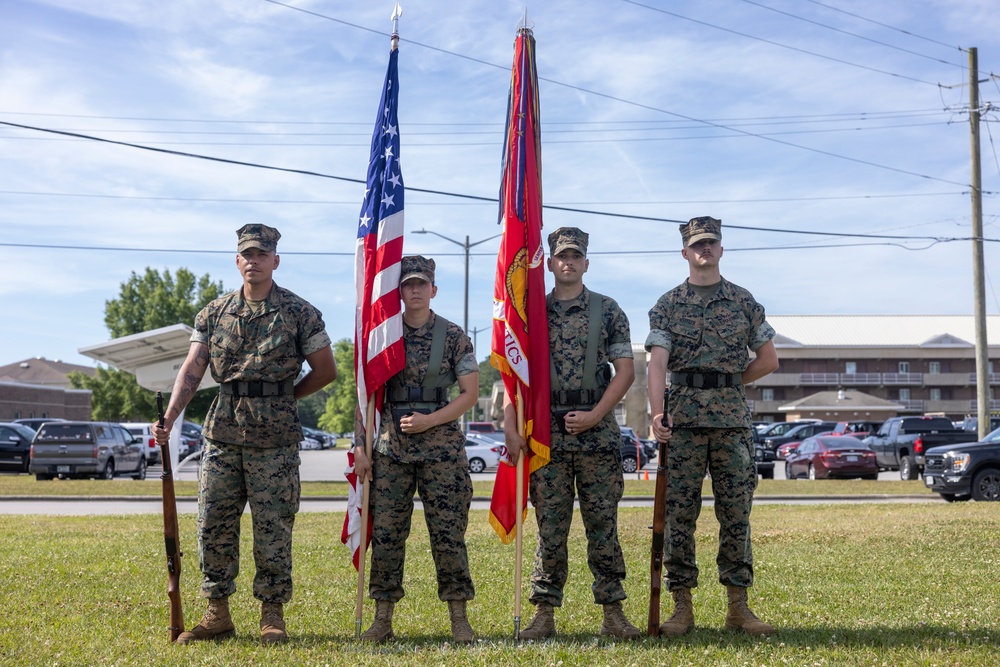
(838, 116)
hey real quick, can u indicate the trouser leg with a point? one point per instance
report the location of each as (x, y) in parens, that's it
(391, 506)
(221, 499)
(552, 494)
(446, 493)
(273, 490)
(687, 458)
(734, 479)
(600, 484)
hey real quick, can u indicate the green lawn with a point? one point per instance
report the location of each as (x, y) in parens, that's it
(853, 584)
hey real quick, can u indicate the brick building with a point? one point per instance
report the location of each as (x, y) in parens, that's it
(39, 388)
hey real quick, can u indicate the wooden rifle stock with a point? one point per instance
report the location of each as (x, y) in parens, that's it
(170, 534)
(659, 528)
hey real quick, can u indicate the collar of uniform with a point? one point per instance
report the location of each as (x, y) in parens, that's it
(725, 291)
(270, 303)
(427, 328)
(582, 301)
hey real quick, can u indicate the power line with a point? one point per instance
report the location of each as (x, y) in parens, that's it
(779, 44)
(851, 34)
(885, 25)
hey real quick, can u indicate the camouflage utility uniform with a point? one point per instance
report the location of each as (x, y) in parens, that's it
(251, 451)
(433, 463)
(711, 426)
(590, 461)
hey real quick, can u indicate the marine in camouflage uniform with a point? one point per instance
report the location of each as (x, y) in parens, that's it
(254, 350)
(586, 442)
(423, 453)
(703, 330)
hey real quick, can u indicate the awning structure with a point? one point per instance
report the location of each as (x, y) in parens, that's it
(154, 356)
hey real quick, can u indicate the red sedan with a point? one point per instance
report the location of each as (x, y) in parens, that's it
(828, 456)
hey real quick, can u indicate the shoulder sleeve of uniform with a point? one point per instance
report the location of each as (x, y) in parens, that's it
(659, 329)
(463, 357)
(619, 333)
(312, 335)
(763, 333)
(201, 333)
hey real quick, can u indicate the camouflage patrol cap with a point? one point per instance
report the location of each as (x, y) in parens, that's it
(699, 229)
(568, 237)
(416, 266)
(256, 235)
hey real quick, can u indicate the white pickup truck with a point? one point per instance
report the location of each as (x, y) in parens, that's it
(86, 449)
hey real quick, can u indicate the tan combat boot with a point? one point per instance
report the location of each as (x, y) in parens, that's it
(272, 623)
(616, 625)
(381, 629)
(542, 625)
(215, 623)
(739, 616)
(461, 631)
(682, 620)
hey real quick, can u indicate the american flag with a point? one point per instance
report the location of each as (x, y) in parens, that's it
(378, 342)
(520, 343)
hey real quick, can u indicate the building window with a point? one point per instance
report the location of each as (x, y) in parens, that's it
(767, 394)
(851, 367)
(935, 394)
(904, 394)
(904, 367)
(934, 367)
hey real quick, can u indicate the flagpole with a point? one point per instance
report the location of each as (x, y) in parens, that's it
(519, 520)
(365, 495)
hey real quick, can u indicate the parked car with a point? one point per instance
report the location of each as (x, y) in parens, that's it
(633, 453)
(775, 429)
(145, 431)
(483, 452)
(309, 442)
(784, 450)
(900, 442)
(972, 423)
(15, 446)
(86, 449)
(763, 458)
(651, 446)
(325, 440)
(960, 472)
(858, 429)
(829, 456)
(35, 422)
(481, 427)
(192, 439)
(797, 432)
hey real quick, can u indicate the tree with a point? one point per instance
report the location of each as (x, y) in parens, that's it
(146, 302)
(487, 376)
(342, 394)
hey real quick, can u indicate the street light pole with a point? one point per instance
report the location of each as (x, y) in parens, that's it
(465, 246)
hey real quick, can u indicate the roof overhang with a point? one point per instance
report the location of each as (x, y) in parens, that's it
(155, 356)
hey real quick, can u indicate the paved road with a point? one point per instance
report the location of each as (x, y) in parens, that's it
(329, 465)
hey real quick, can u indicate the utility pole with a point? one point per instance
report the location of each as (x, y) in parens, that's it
(978, 263)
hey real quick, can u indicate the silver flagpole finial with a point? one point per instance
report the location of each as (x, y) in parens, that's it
(396, 13)
(526, 23)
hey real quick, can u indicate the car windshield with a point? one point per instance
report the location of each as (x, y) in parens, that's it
(993, 437)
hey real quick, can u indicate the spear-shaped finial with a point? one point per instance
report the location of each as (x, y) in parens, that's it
(396, 13)
(526, 23)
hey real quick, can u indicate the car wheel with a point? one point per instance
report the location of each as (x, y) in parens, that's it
(812, 472)
(109, 470)
(907, 471)
(629, 464)
(986, 485)
(477, 465)
(141, 472)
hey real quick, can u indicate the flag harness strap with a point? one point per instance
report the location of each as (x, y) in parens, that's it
(588, 393)
(434, 387)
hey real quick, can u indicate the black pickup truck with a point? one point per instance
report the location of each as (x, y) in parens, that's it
(960, 472)
(901, 442)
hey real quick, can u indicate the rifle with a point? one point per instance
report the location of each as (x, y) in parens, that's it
(170, 534)
(659, 528)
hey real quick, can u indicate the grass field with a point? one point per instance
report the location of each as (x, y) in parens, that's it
(851, 584)
(25, 485)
